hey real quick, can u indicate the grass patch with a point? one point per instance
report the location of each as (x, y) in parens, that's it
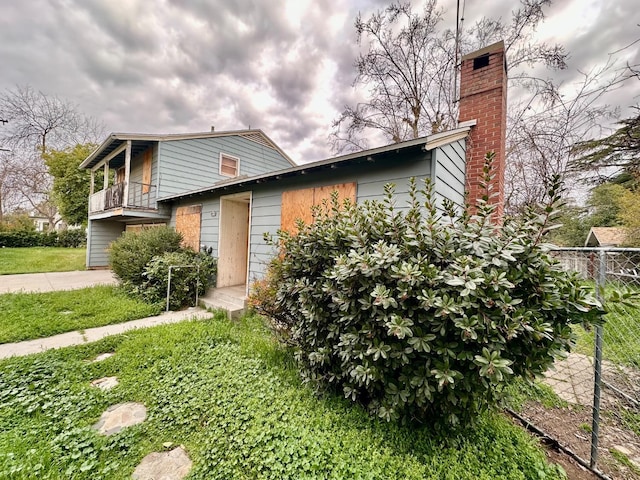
(33, 315)
(232, 396)
(621, 331)
(620, 340)
(521, 392)
(41, 259)
(622, 458)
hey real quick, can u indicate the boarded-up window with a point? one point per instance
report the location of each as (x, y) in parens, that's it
(188, 224)
(228, 165)
(146, 170)
(297, 203)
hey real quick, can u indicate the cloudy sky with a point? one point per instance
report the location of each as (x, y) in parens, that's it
(285, 66)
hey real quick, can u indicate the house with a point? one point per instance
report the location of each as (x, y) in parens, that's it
(606, 237)
(225, 190)
(142, 173)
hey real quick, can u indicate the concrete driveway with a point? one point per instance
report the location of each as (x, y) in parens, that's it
(49, 282)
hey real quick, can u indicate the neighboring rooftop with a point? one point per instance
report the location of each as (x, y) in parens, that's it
(606, 237)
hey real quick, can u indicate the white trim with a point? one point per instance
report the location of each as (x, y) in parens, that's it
(222, 154)
(127, 173)
(246, 278)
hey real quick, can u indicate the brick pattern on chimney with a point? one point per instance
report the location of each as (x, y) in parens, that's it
(483, 97)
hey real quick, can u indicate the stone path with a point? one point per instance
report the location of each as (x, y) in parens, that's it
(93, 334)
(105, 383)
(54, 281)
(572, 379)
(120, 416)
(172, 465)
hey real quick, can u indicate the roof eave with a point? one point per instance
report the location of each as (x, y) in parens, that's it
(428, 143)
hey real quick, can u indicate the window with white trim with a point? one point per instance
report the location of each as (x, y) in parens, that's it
(229, 166)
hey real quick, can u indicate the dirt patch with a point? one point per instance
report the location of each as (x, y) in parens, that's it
(571, 426)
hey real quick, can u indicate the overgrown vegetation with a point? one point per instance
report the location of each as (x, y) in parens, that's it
(35, 315)
(141, 261)
(194, 271)
(130, 254)
(422, 316)
(41, 259)
(228, 393)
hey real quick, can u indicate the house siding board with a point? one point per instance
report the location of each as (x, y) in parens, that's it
(191, 164)
(450, 173)
(266, 200)
(102, 233)
(266, 205)
(208, 224)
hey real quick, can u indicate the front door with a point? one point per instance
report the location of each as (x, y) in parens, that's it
(233, 240)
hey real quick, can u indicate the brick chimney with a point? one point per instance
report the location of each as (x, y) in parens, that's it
(483, 98)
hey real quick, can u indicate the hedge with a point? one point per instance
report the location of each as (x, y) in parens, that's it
(66, 238)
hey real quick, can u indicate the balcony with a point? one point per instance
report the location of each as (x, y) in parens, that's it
(142, 196)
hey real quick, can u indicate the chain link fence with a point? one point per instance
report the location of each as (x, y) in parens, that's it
(599, 382)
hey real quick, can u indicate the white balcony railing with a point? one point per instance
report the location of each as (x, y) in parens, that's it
(141, 195)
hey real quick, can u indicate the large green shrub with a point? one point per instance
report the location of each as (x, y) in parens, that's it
(419, 314)
(184, 280)
(130, 254)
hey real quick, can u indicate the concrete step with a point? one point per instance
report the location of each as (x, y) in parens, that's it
(227, 297)
(234, 309)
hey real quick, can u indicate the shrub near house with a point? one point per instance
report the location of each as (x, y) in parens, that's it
(141, 261)
(418, 316)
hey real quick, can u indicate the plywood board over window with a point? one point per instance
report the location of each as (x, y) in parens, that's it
(146, 170)
(296, 204)
(188, 220)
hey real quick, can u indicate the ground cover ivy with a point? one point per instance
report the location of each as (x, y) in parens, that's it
(422, 313)
(232, 397)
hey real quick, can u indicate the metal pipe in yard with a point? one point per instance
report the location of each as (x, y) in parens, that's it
(595, 423)
(171, 267)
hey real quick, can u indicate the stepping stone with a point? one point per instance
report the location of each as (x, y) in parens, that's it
(105, 383)
(120, 416)
(103, 356)
(172, 465)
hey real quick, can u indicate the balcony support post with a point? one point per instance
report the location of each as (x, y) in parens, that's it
(106, 175)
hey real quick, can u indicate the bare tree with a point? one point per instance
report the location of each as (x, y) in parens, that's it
(409, 67)
(38, 121)
(543, 130)
(35, 123)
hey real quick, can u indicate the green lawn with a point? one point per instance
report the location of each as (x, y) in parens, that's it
(24, 316)
(232, 397)
(41, 259)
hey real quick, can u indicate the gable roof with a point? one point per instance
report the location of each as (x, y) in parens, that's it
(427, 143)
(116, 140)
(605, 237)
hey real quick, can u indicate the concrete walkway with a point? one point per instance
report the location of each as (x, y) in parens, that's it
(50, 282)
(28, 347)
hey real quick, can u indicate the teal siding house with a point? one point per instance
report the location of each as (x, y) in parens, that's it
(224, 190)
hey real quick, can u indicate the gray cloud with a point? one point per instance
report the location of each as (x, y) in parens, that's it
(188, 64)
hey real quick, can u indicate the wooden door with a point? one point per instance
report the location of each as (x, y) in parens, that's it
(233, 241)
